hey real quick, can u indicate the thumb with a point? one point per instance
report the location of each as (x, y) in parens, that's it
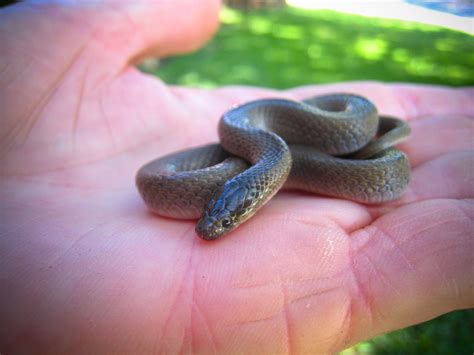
(137, 29)
(57, 32)
(171, 27)
(51, 50)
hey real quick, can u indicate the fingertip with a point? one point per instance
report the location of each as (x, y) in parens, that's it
(173, 27)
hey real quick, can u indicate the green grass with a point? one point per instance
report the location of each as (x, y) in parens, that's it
(451, 333)
(290, 47)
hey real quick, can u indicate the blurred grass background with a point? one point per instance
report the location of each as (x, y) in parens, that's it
(287, 47)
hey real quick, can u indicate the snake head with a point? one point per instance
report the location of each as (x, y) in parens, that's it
(210, 227)
(226, 211)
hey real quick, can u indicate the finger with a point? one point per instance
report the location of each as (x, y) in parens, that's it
(449, 176)
(412, 265)
(406, 101)
(446, 177)
(440, 151)
(434, 136)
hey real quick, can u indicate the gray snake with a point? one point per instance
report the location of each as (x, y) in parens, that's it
(335, 145)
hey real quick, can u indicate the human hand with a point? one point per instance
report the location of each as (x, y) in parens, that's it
(85, 268)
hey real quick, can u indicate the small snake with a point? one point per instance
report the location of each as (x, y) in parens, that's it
(334, 145)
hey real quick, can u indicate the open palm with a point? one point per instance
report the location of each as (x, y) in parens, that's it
(84, 267)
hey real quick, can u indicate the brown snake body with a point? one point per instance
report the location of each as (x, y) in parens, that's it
(333, 145)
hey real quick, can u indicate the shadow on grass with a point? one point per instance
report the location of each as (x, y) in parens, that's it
(288, 47)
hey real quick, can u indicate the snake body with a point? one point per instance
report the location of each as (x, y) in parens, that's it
(334, 145)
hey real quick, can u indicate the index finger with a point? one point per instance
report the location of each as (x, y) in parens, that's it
(407, 101)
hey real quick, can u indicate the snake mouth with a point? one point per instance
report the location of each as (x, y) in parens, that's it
(208, 228)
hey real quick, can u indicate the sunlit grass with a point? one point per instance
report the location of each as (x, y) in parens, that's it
(229, 16)
(371, 48)
(290, 47)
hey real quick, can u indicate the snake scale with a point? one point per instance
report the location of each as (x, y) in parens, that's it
(334, 145)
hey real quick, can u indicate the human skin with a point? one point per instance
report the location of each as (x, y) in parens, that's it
(85, 268)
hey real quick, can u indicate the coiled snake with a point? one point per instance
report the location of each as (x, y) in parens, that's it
(334, 145)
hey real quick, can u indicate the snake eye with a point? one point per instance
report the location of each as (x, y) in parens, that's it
(226, 222)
